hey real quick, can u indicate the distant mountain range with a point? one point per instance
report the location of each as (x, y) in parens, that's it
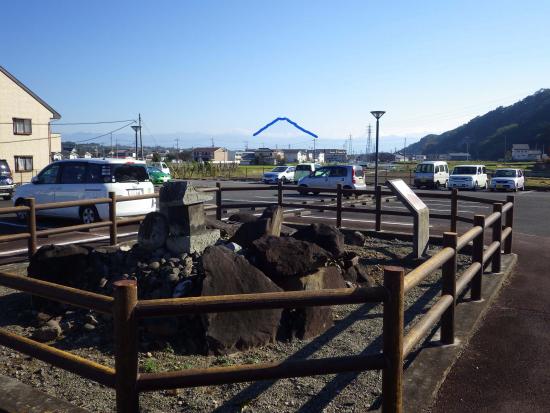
(486, 137)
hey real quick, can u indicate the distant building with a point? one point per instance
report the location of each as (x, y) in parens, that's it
(295, 155)
(245, 157)
(522, 152)
(267, 156)
(211, 154)
(459, 156)
(334, 155)
(26, 141)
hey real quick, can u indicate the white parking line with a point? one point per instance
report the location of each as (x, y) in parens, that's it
(431, 209)
(79, 241)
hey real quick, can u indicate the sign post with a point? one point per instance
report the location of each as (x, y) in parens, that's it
(420, 211)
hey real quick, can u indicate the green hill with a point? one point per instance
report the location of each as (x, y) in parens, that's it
(527, 121)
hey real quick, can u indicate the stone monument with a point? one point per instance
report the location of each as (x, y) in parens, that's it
(183, 207)
(420, 211)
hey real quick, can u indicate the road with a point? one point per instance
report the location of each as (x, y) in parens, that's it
(532, 210)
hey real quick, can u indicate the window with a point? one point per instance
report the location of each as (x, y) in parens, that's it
(23, 163)
(96, 174)
(320, 172)
(339, 171)
(130, 173)
(22, 126)
(424, 168)
(49, 174)
(73, 173)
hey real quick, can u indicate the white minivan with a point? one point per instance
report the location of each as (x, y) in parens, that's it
(349, 176)
(80, 179)
(469, 177)
(431, 174)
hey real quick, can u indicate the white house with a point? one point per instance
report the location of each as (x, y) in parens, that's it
(522, 152)
(26, 140)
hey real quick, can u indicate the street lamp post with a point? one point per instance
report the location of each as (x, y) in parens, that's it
(377, 114)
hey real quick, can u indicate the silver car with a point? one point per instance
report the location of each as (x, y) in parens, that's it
(349, 176)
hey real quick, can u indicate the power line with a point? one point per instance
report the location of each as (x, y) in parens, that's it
(105, 134)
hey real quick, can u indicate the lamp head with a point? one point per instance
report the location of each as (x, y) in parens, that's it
(136, 128)
(377, 113)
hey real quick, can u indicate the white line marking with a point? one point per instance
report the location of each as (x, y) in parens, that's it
(98, 238)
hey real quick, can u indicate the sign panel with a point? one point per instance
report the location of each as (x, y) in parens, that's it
(420, 212)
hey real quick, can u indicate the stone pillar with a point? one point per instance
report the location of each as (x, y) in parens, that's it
(183, 207)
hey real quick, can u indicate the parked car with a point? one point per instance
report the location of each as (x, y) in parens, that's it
(508, 179)
(468, 177)
(349, 176)
(431, 174)
(6, 180)
(80, 179)
(305, 169)
(162, 166)
(285, 174)
(157, 176)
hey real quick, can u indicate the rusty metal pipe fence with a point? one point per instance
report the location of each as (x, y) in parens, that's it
(127, 310)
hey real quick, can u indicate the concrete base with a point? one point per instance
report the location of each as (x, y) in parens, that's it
(16, 397)
(192, 243)
(428, 366)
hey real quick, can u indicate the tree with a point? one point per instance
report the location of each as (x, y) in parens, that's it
(156, 157)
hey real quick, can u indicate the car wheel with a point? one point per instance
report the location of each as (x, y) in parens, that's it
(89, 215)
(436, 185)
(21, 216)
(486, 186)
(476, 186)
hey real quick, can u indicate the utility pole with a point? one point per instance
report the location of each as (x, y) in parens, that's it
(140, 139)
(313, 149)
(350, 145)
(212, 141)
(177, 145)
(111, 143)
(369, 139)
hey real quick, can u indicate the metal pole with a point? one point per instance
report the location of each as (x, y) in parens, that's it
(376, 159)
(140, 140)
(126, 352)
(448, 280)
(378, 200)
(392, 336)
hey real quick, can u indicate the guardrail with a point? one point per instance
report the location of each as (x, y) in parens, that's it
(127, 310)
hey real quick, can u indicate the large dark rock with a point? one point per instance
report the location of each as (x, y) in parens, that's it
(355, 238)
(326, 236)
(153, 231)
(61, 264)
(228, 273)
(249, 232)
(309, 322)
(226, 229)
(243, 217)
(282, 257)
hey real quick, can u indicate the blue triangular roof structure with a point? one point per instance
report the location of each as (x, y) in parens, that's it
(289, 121)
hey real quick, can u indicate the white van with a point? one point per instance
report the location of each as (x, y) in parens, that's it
(469, 177)
(80, 179)
(349, 176)
(304, 169)
(431, 174)
(161, 165)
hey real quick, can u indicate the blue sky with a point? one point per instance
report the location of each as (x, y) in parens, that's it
(196, 69)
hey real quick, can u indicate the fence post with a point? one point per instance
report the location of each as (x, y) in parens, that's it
(392, 335)
(509, 223)
(113, 236)
(338, 205)
(454, 208)
(279, 193)
(31, 225)
(477, 256)
(378, 200)
(219, 201)
(497, 236)
(448, 280)
(126, 353)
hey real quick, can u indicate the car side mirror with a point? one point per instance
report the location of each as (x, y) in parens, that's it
(35, 180)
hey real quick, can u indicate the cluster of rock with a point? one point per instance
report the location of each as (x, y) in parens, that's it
(257, 255)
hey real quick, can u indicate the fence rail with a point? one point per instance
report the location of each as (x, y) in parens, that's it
(127, 310)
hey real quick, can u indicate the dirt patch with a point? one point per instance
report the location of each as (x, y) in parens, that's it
(356, 330)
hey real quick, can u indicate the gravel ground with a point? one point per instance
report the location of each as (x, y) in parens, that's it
(356, 330)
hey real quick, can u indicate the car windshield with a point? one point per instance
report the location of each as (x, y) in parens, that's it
(303, 167)
(4, 169)
(153, 170)
(509, 173)
(424, 167)
(465, 170)
(130, 173)
(321, 172)
(279, 169)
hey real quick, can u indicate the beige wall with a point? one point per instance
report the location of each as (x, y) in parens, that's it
(17, 103)
(220, 156)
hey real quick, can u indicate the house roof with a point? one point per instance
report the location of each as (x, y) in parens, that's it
(208, 149)
(55, 114)
(520, 146)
